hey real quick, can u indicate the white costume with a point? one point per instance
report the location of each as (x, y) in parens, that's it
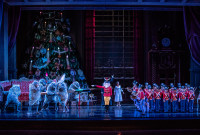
(13, 95)
(118, 93)
(51, 95)
(74, 86)
(34, 95)
(62, 93)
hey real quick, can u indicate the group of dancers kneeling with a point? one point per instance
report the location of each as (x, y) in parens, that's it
(41, 94)
(163, 99)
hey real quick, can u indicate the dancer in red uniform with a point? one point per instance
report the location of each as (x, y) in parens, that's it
(107, 93)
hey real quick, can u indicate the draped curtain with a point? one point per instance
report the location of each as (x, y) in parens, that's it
(14, 15)
(192, 31)
(138, 45)
(89, 45)
(1, 12)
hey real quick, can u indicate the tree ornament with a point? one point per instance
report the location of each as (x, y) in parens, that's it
(57, 63)
(44, 39)
(54, 28)
(43, 51)
(25, 66)
(37, 36)
(67, 61)
(35, 23)
(81, 75)
(37, 73)
(52, 74)
(57, 32)
(49, 26)
(58, 38)
(37, 54)
(39, 26)
(44, 59)
(73, 74)
(66, 49)
(43, 32)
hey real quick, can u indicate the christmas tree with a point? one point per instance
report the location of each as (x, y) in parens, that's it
(53, 53)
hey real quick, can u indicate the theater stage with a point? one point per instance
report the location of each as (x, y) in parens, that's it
(77, 113)
(87, 119)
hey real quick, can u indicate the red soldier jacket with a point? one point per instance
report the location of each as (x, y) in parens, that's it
(174, 96)
(166, 95)
(141, 95)
(182, 95)
(157, 95)
(191, 95)
(135, 89)
(171, 90)
(145, 90)
(148, 95)
(107, 91)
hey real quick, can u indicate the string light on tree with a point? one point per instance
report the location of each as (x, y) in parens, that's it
(32, 51)
(52, 53)
(30, 67)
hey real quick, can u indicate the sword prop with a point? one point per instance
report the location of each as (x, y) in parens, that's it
(81, 90)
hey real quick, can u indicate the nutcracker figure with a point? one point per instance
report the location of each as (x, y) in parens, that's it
(106, 79)
(107, 93)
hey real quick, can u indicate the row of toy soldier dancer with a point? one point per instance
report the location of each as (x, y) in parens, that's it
(163, 99)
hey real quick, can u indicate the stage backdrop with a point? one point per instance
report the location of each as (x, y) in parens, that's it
(192, 31)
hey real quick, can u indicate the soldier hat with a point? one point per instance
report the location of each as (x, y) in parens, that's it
(140, 86)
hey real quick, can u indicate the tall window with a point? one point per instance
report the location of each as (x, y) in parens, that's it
(114, 48)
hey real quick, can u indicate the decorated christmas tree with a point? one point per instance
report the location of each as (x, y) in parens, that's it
(53, 52)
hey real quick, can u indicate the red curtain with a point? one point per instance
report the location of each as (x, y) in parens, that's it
(89, 45)
(138, 46)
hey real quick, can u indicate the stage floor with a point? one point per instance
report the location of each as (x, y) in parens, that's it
(125, 112)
